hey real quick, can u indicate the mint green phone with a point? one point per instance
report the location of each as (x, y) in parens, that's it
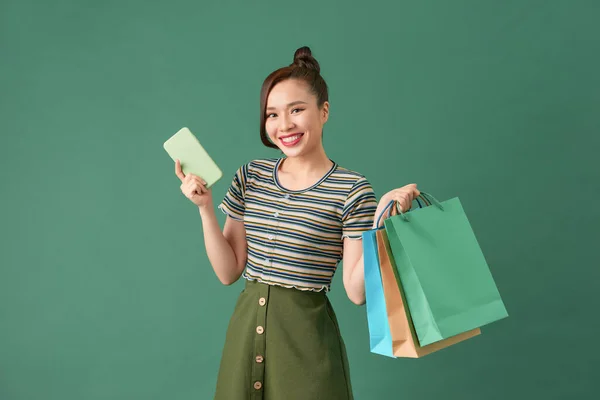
(186, 148)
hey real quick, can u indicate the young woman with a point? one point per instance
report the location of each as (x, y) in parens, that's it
(290, 220)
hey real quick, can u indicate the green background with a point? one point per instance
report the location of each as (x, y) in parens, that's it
(105, 288)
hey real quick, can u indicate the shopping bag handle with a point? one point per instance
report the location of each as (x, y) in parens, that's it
(426, 197)
(432, 200)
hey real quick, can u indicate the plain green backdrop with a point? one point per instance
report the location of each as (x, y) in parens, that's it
(105, 288)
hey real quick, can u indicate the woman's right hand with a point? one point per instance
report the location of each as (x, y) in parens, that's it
(194, 187)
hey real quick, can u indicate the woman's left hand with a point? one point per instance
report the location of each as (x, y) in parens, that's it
(404, 196)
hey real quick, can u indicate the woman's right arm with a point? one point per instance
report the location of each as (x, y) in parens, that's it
(227, 250)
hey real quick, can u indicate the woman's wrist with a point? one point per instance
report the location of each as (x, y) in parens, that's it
(206, 208)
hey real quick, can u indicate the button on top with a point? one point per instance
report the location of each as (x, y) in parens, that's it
(262, 301)
(260, 330)
(276, 214)
(257, 385)
(287, 196)
(259, 359)
(271, 237)
(267, 260)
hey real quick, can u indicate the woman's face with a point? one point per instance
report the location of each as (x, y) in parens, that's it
(294, 121)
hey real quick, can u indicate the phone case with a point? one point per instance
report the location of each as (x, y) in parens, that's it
(186, 148)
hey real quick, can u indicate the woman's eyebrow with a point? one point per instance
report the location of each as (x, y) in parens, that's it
(293, 103)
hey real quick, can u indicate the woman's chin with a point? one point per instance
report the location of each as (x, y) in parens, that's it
(295, 150)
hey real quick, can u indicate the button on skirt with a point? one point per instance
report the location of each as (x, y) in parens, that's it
(283, 344)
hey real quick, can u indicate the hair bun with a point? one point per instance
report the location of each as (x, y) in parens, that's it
(303, 58)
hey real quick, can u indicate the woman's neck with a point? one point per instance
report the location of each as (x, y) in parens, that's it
(307, 166)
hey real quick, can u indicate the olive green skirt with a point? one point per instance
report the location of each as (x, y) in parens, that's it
(283, 344)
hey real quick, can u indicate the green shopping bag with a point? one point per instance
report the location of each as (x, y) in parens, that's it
(448, 285)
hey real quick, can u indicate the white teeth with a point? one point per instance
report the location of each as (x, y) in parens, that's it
(290, 139)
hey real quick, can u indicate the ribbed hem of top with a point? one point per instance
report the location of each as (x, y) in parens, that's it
(324, 288)
(353, 237)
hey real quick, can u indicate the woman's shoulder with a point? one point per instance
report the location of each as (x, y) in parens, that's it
(359, 192)
(257, 166)
(351, 176)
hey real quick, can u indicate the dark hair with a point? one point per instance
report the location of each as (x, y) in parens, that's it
(305, 68)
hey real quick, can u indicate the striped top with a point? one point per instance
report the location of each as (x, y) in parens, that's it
(295, 237)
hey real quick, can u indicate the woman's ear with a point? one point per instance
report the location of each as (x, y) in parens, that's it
(324, 112)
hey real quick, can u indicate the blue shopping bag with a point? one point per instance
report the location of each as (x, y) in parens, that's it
(380, 337)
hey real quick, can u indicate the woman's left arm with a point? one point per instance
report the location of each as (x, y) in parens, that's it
(354, 271)
(353, 261)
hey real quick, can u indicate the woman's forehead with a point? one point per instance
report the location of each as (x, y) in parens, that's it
(289, 91)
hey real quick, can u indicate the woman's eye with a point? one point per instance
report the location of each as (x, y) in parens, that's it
(272, 115)
(297, 109)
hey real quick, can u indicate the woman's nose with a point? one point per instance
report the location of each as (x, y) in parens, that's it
(285, 124)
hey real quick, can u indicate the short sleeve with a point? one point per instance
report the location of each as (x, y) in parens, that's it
(359, 209)
(233, 203)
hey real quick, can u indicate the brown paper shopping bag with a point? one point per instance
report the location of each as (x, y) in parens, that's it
(404, 339)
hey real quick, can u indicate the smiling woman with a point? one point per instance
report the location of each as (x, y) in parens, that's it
(290, 221)
(294, 119)
(304, 70)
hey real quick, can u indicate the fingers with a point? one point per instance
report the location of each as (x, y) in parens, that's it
(412, 188)
(186, 178)
(196, 179)
(416, 192)
(191, 189)
(199, 188)
(404, 200)
(179, 171)
(193, 185)
(405, 195)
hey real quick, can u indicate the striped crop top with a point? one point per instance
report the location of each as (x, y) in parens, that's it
(295, 238)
